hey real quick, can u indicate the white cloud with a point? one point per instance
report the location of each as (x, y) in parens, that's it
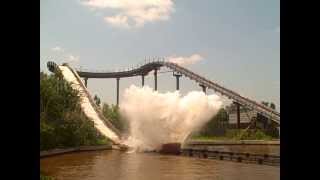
(278, 29)
(118, 21)
(57, 49)
(72, 58)
(65, 55)
(137, 12)
(183, 61)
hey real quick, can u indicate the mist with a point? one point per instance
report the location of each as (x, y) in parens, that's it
(157, 118)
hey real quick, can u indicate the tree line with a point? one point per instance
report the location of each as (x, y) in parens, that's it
(216, 127)
(62, 123)
(111, 113)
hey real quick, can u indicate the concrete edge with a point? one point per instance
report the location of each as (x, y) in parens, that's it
(231, 142)
(54, 152)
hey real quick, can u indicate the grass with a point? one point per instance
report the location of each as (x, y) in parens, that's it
(45, 177)
(104, 141)
(210, 138)
(236, 135)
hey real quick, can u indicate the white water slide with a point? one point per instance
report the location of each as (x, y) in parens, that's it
(87, 105)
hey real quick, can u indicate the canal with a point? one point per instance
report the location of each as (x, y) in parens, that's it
(117, 165)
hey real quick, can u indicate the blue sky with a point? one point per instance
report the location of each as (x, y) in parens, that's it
(236, 43)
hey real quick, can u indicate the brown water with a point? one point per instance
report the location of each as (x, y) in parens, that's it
(116, 165)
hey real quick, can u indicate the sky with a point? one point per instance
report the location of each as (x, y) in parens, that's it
(233, 43)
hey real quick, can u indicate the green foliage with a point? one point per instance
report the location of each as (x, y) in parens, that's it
(62, 123)
(45, 177)
(97, 100)
(56, 97)
(247, 135)
(217, 129)
(112, 114)
(235, 134)
(272, 106)
(265, 103)
(102, 141)
(216, 125)
(269, 104)
(209, 138)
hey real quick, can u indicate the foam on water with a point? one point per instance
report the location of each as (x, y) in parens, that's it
(154, 118)
(157, 118)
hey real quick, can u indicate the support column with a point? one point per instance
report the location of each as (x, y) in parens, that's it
(118, 79)
(204, 88)
(238, 114)
(155, 80)
(142, 80)
(86, 82)
(177, 80)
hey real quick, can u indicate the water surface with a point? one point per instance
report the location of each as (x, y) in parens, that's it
(116, 165)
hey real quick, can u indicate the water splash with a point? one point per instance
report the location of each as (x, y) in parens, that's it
(157, 118)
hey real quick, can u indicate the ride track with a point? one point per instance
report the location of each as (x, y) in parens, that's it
(149, 66)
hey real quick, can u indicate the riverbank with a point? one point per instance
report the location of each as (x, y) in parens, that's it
(246, 151)
(250, 151)
(55, 152)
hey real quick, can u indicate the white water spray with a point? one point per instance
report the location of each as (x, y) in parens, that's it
(157, 118)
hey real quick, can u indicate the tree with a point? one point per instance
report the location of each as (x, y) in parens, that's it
(269, 104)
(62, 123)
(97, 100)
(216, 125)
(265, 103)
(112, 113)
(272, 105)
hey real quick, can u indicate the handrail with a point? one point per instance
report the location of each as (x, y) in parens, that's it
(222, 88)
(149, 65)
(98, 111)
(229, 93)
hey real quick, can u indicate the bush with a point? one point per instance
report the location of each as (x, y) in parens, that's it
(62, 123)
(247, 135)
(216, 126)
(235, 134)
(45, 177)
(112, 114)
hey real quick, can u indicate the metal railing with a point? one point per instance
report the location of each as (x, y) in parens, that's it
(253, 105)
(266, 111)
(95, 107)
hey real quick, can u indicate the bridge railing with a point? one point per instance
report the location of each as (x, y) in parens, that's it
(95, 107)
(208, 83)
(224, 91)
(126, 69)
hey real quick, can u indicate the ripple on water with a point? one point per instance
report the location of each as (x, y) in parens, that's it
(116, 165)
